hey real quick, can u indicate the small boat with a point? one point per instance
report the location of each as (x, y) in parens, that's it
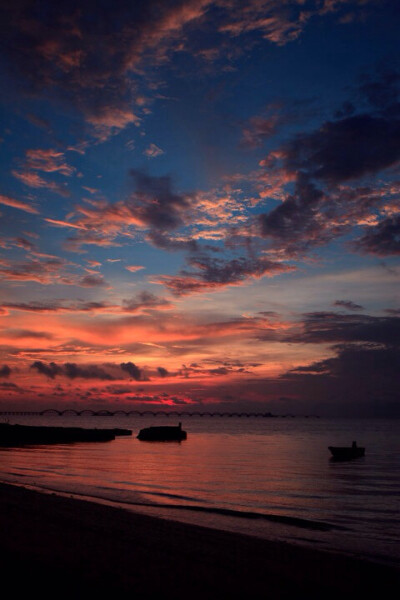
(347, 452)
(166, 433)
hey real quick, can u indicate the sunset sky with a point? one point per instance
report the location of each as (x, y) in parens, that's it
(199, 205)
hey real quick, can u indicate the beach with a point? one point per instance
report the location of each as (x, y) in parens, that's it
(65, 547)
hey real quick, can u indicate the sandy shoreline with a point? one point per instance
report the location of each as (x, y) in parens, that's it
(65, 547)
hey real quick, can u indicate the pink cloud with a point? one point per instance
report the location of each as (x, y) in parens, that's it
(61, 223)
(34, 180)
(44, 272)
(18, 204)
(90, 190)
(153, 151)
(48, 161)
(134, 268)
(48, 271)
(110, 119)
(94, 263)
(259, 129)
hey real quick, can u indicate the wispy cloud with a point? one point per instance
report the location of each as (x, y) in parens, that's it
(212, 274)
(18, 204)
(153, 151)
(140, 303)
(34, 180)
(134, 268)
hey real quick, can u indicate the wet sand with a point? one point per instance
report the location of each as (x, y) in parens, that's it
(59, 547)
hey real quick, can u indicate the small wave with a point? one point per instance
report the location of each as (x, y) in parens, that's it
(169, 495)
(216, 510)
(229, 512)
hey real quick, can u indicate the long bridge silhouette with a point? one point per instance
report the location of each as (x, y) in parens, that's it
(138, 413)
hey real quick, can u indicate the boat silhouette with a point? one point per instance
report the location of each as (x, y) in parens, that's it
(346, 452)
(166, 433)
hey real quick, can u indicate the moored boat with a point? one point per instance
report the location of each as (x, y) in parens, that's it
(346, 452)
(166, 433)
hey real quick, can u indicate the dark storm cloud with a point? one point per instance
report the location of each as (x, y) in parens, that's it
(92, 281)
(71, 370)
(28, 333)
(382, 91)
(10, 387)
(349, 359)
(323, 166)
(163, 241)
(158, 206)
(162, 372)
(133, 370)
(296, 217)
(310, 217)
(213, 273)
(216, 270)
(330, 327)
(50, 369)
(348, 304)
(360, 379)
(153, 206)
(5, 371)
(382, 239)
(145, 301)
(346, 149)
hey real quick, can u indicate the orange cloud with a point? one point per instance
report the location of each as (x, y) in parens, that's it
(134, 268)
(34, 180)
(18, 204)
(61, 223)
(48, 161)
(153, 151)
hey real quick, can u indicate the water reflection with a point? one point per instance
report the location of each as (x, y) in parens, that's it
(267, 466)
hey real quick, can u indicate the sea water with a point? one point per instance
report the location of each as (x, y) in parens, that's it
(268, 477)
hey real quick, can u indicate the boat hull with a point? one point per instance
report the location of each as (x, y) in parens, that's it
(346, 453)
(162, 434)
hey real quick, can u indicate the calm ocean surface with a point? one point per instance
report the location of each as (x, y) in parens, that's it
(267, 477)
